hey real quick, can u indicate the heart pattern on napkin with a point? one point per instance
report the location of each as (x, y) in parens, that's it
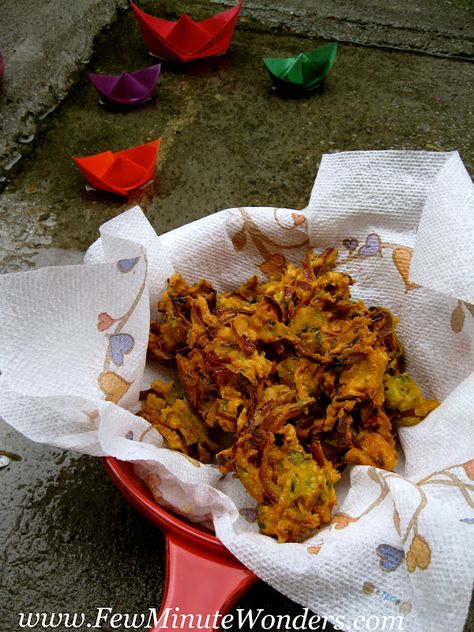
(113, 386)
(249, 513)
(457, 318)
(120, 344)
(125, 265)
(419, 554)
(351, 244)
(239, 239)
(390, 557)
(469, 469)
(401, 258)
(342, 520)
(371, 246)
(298, 219)
(104, 321)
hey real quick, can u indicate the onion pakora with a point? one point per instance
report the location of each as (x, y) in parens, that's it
(286, 382)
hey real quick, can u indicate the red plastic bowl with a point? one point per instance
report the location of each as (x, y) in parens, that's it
(202, 576)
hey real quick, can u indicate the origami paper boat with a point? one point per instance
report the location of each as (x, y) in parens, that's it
(302, 73)
(123, 171)
(186, 40)
(127, 88)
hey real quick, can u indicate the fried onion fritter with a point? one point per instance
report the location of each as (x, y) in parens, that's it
(177, 422)
(303, 379)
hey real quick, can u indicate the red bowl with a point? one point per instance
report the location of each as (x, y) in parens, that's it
(202, 576)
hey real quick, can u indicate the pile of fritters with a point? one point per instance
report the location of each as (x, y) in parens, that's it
(285, 383)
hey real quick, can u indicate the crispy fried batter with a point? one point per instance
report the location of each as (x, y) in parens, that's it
(176, 421)
(305, 378)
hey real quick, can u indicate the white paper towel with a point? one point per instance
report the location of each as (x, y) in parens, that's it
(73, 346)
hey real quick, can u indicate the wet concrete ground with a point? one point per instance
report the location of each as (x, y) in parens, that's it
(70, 542)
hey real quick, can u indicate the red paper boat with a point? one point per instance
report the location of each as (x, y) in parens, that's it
(128, 88)
(123, 171)
(186, 40)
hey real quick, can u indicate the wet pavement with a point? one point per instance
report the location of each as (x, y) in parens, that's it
(437, 27)
(70, 542)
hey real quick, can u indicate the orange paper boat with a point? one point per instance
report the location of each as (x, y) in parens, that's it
(186, 40)
(123, 171)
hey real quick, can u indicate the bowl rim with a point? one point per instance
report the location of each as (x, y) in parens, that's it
(135, 490)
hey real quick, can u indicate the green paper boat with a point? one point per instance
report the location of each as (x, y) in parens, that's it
(302, 73)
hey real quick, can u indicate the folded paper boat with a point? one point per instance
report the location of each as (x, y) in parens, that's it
(301, 73)
(186, 40)
(128, 88)
(123, 171)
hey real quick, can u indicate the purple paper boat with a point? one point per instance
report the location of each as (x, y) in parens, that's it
(128, 88)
